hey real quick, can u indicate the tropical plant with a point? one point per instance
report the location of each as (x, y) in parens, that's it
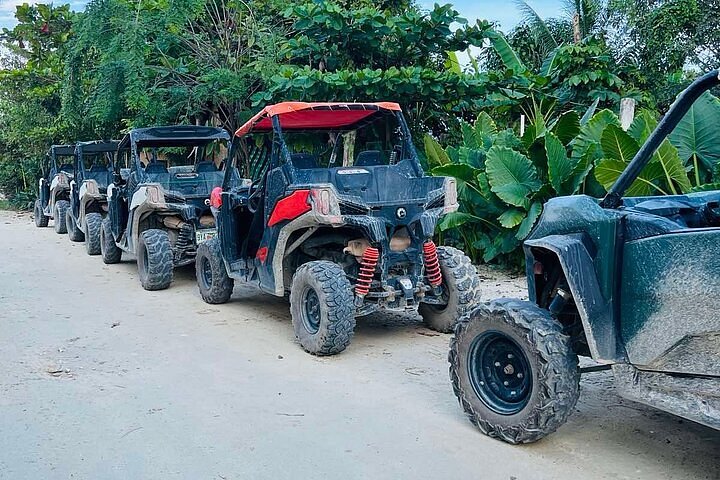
(504, 179)
(368, 53)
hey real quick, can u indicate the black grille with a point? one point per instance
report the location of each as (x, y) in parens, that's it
(347, 208)
(436, 202)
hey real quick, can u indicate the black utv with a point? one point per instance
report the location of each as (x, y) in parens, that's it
(631, 282)
(54, 187)
(161, 213)
(92, 173)
(330, 205)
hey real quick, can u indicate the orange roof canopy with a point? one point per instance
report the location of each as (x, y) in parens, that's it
(303, 115)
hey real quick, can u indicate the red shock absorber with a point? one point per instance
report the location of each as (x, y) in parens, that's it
(367, 271)
(432, 264)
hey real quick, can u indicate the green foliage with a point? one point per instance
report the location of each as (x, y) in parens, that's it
(503, 180)
(698, 139)
(368, 53)
(30, 95)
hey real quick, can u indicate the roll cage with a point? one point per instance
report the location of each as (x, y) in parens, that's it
(166, 137)
(281, 119)
(55, 152)
(100, 148)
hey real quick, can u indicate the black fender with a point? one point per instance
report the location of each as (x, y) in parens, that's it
(596, 311)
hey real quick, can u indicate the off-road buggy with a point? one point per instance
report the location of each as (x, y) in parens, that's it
(161, 212)
(92, 173)
(330, 205)
(633, 283)
(54, 187)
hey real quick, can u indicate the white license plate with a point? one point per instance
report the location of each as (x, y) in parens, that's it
(204, 235)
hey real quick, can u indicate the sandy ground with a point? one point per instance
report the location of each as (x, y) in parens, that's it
(102, 380)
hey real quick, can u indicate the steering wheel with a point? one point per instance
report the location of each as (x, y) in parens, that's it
(256, 195)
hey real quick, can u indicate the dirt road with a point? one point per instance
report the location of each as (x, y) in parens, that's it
(103, 380)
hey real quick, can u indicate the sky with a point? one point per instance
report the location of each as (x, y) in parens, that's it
(502, 11)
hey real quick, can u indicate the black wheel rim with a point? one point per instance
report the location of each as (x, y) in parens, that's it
(206, 273)
(311, 311)
(500, 373)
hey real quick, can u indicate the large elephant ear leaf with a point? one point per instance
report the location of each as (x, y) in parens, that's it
(529, 222)
(591, 132)
(560, 167)
(485, 131)
(512, 176)
(581, 171)
(511, 218)
(456, 219)
(673, 168)
(607, 172)
(642, 126)
(697, 136)
(567, 127)
(434, 152)
(618, 145)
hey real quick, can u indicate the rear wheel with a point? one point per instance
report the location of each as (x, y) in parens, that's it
(93, 227)
(513, 370)
(59, 213)
(110, 252)
(321, 305)
(155, 259)
(75, 234)
(40, 219)
(461, 291)
(213, 281)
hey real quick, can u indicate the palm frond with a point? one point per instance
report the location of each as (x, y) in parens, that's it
(539, 28)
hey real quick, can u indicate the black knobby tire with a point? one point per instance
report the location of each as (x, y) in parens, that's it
(529, 407)
(461, 287)
(213, 281)
(93, 226)
(155, 259)
(74, 233)
(40, 219)
(322, 309)
(110, 252)
(61, 207)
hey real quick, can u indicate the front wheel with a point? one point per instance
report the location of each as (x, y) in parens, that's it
(110, 252)
(513, 371)
(40, 219)
(59, 212)
(155, 259)
(461, 291)
(93, 226)
(321, 306)
(213, 281)
(74, 233)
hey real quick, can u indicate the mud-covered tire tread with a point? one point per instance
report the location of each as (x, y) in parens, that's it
(462, 280)
(558, 379)
(93, 225)
(60, 210)
(222, 285)
(40, 219)
(74, 233)
(110, 252)
(160, 259)
(335, 334)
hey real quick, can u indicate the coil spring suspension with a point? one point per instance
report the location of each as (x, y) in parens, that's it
(184, 240)
(432, 264)
(368, 263)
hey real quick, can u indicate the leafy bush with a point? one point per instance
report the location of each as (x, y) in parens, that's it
(504, 179)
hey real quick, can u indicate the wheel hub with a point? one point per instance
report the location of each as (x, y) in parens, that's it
(311, 311)
(500, 372)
